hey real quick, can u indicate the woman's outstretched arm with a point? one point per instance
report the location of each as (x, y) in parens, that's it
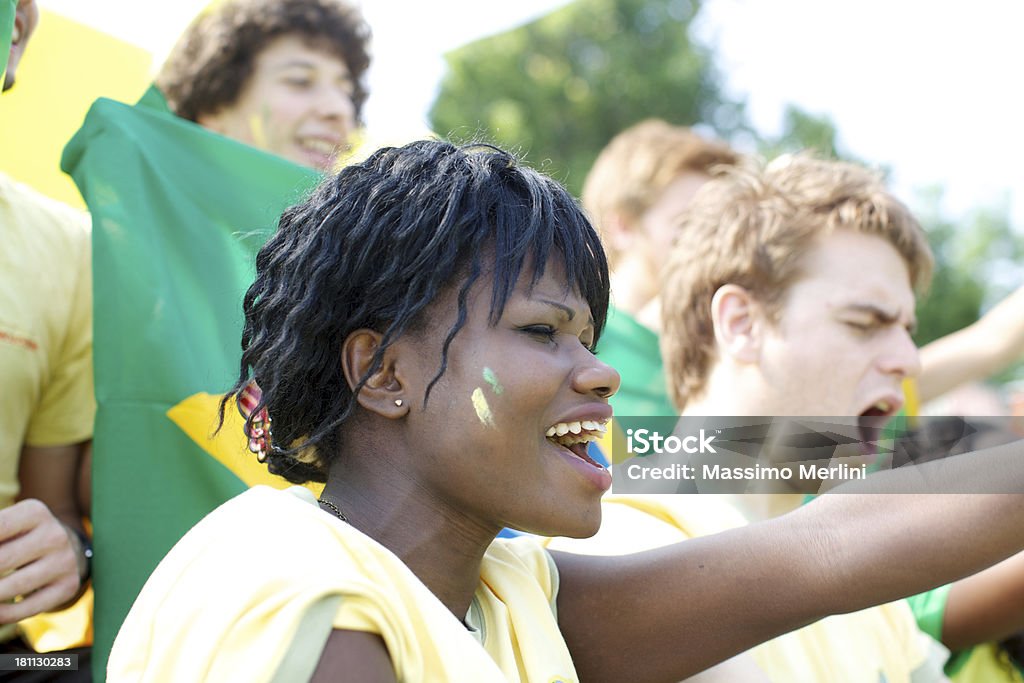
(665, 614)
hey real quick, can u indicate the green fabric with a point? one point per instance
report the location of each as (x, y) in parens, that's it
(929, 609)
(632, 349)
(7, 10)
(178, 213)
(985, 662)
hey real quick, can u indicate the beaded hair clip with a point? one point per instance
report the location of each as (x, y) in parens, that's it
(259, 427)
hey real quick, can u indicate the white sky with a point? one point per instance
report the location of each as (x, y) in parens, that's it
(931, 89)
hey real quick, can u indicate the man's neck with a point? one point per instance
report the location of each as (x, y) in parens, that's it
(633, 286)
(727, 396)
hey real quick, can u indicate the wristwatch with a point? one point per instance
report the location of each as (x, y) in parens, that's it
(86, 544)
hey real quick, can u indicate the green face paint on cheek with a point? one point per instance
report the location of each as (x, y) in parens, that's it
(492, 380)
(483, 411)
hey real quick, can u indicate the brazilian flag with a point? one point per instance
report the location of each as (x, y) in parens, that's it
(178, 214)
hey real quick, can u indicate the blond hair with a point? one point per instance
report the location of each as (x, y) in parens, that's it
(751, 227)
(638, 164)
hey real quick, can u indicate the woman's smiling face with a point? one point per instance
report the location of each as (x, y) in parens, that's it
(481, 438)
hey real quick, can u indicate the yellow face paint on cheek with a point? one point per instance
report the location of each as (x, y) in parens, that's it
(258, 130)
(483, 411)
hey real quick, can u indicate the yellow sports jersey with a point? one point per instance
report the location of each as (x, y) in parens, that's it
(252, 592)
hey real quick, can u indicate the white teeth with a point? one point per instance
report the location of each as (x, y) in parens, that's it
(318, 146)
(883, 406)
(584, 428)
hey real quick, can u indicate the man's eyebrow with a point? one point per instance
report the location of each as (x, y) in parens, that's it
(570, 313)
(880, 314)
(296, 62)
(308, 65)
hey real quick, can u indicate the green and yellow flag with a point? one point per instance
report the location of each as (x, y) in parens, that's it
(178, 214)
(7, 9)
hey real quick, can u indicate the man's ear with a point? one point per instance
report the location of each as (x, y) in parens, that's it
(619, 234)
(738, 319)
(383, 392)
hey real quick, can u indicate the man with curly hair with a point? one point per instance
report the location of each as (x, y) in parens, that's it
(286, 76)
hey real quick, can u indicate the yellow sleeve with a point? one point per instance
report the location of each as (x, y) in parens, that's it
(67, 406)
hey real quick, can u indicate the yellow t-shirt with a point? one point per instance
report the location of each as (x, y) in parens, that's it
(986, 663)
(45, 327)
(46, 392)
(878, 644)
(252, 592)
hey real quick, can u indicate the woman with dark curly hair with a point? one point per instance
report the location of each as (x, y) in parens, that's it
(282, 75)
(423, 331)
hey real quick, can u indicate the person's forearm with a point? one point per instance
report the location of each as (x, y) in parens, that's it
(679, 609)
(985, 607)
(917, 541)
(943, 519)
(975, 352)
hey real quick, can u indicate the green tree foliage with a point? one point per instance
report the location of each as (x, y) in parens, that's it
(560, 87)
(976, 256)
(802, 130)
(976, 265)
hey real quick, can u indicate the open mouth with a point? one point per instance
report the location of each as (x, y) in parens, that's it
(576, 437)
(873, 420)
(881, 408)
(319, 146)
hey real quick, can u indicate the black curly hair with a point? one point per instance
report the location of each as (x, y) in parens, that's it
(215, 56)
(372, 247)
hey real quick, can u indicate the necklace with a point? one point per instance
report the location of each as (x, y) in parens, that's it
(333, 509)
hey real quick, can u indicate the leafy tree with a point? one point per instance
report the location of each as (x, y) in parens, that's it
(802, 130)
(560, 87)
(975, 265)
(975, 256)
